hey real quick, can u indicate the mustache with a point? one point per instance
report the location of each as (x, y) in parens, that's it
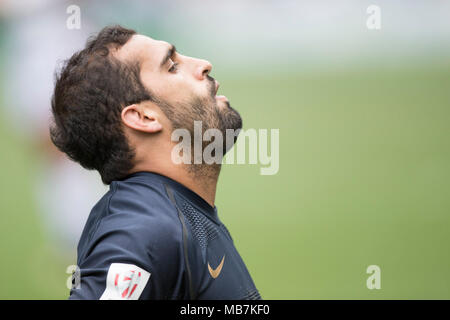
(212, 89)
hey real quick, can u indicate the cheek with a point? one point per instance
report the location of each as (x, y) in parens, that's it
(179, 87)
(169, 89)
(184, 88)
(200, 89)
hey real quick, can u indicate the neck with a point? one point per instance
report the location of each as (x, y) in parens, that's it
(201, 179)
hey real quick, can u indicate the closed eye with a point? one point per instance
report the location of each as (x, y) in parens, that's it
(174, 67)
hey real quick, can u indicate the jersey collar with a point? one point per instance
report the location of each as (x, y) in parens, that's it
(183, 190)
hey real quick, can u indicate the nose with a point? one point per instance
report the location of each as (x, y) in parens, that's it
(203, 69)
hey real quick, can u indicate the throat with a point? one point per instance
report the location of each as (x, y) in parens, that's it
(203, 180)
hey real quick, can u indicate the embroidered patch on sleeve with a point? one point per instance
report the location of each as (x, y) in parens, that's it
(125, 282)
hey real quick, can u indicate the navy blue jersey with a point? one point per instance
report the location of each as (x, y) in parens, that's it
(149, 237)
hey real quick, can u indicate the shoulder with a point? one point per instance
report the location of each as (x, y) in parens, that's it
(134, 202)
(138, 227)
(140, 215)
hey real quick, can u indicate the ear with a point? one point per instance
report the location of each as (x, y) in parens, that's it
(142, 119)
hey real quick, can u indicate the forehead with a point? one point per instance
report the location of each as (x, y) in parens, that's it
(143, 49)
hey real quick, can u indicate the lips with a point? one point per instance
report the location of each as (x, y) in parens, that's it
(221, 97)
(216, 88)
(217, 84)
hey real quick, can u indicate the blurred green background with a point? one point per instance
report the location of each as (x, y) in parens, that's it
(364, 179)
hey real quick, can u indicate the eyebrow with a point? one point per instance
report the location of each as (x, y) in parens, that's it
(170, 52)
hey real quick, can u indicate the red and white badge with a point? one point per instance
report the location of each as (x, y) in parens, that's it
(125, 282)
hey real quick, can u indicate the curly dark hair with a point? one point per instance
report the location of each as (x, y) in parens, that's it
(90, 92)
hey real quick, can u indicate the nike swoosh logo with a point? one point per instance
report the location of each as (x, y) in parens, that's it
(215, 272)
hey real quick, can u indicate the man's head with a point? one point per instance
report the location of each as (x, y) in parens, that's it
(117, 101)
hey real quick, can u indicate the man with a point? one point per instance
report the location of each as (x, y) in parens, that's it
(156, 233)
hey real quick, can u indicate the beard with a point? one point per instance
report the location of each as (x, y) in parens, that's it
(212, 114)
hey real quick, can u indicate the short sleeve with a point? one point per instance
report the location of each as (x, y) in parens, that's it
(131, 256)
